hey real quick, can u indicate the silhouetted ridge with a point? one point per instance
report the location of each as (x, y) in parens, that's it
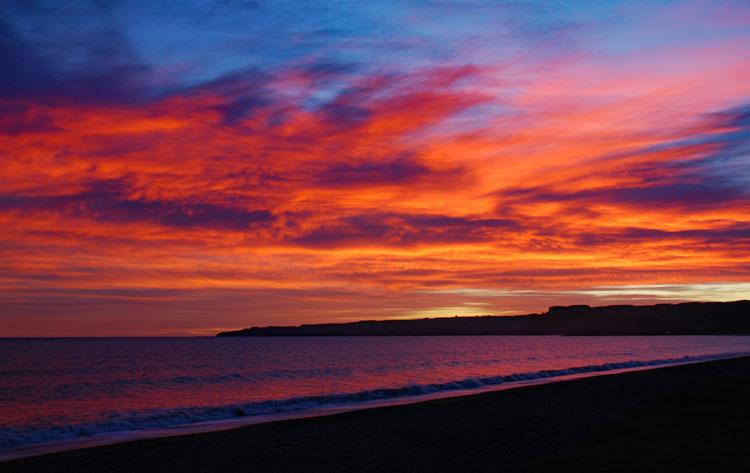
(690, 318)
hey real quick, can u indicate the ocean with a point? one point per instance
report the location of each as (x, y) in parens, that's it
(74, 391)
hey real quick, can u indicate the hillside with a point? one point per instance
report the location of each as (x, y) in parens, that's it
(690, 318)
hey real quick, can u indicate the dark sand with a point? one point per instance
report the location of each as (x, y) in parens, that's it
(693, 418)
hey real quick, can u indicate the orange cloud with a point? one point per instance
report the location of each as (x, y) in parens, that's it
(249, 200)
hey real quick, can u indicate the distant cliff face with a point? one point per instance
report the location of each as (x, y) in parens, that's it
(567, 308)
(691, 318)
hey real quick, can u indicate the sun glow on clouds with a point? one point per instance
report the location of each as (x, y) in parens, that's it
(393, 163)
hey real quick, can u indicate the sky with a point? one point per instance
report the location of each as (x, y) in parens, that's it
(180, 168)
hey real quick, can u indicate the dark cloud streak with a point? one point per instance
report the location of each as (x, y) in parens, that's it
(113, 201)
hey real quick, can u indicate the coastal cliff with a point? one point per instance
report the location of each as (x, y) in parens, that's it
(690, 318)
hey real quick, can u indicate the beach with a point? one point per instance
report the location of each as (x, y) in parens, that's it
(683, 418)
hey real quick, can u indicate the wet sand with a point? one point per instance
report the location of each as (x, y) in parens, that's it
(691, 418)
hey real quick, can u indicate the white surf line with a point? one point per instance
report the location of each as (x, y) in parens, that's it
(236, 423)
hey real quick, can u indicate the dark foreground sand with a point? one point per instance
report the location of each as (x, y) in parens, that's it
(693, 418)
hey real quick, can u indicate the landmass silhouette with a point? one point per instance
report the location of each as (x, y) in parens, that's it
(689, 318)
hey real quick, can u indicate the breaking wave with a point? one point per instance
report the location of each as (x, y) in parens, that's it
(14, 437)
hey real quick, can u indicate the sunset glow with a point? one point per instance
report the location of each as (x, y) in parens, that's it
(176, 172)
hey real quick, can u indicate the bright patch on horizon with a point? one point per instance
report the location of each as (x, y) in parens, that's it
(717, 292)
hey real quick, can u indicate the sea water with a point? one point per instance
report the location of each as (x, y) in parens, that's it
(58, 390)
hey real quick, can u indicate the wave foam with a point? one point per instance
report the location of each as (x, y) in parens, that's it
(15, 437)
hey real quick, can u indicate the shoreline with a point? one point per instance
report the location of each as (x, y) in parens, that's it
(231, 423)
(232, 436)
